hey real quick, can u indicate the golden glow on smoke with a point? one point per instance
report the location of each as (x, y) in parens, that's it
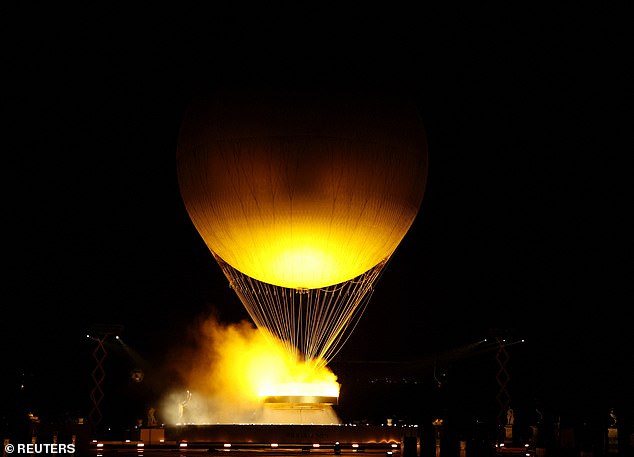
(233, 369)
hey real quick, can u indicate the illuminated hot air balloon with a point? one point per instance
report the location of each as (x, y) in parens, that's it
(302, 200)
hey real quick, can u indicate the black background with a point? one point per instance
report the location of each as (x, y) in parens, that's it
(524, 231)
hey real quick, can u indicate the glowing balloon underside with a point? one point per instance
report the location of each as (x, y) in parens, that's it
(301, 204)
(302, 201)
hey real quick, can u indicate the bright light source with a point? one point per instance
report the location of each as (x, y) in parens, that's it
(326, 388)
(227, 445)
(274, 444)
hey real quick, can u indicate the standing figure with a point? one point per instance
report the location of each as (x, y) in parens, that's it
(509, 416)
(181, 405)
(151, 418)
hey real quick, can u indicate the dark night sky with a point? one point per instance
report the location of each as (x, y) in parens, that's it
(524, 226)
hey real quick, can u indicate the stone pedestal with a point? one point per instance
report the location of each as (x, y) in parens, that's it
(508, 435)
(438, 434)
(613, 441)
(152, 435)
(538, 441)
(535, 438)
(463, 449)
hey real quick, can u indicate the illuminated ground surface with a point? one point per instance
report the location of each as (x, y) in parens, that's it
(244, 452)
(258, 439)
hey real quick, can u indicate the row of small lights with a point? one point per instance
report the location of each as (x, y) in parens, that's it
(183, 444)
(273, 445)
(315, 445)
(341, 425)
(139, 446)
(98, 444)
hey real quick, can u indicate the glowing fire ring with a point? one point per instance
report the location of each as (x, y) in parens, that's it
(301, 400)
(301, 393)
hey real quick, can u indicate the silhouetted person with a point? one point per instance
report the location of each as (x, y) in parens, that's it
(181, 405)
(151, 418)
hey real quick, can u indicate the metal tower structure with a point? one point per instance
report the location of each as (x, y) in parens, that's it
(100, 333)
(503, 339)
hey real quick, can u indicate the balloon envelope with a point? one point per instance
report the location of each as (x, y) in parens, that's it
(298, 191)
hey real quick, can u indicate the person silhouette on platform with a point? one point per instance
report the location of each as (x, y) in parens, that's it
(510, 418)
(182, 404)
(151, 418)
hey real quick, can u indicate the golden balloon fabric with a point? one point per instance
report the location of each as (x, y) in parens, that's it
(302, 192)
